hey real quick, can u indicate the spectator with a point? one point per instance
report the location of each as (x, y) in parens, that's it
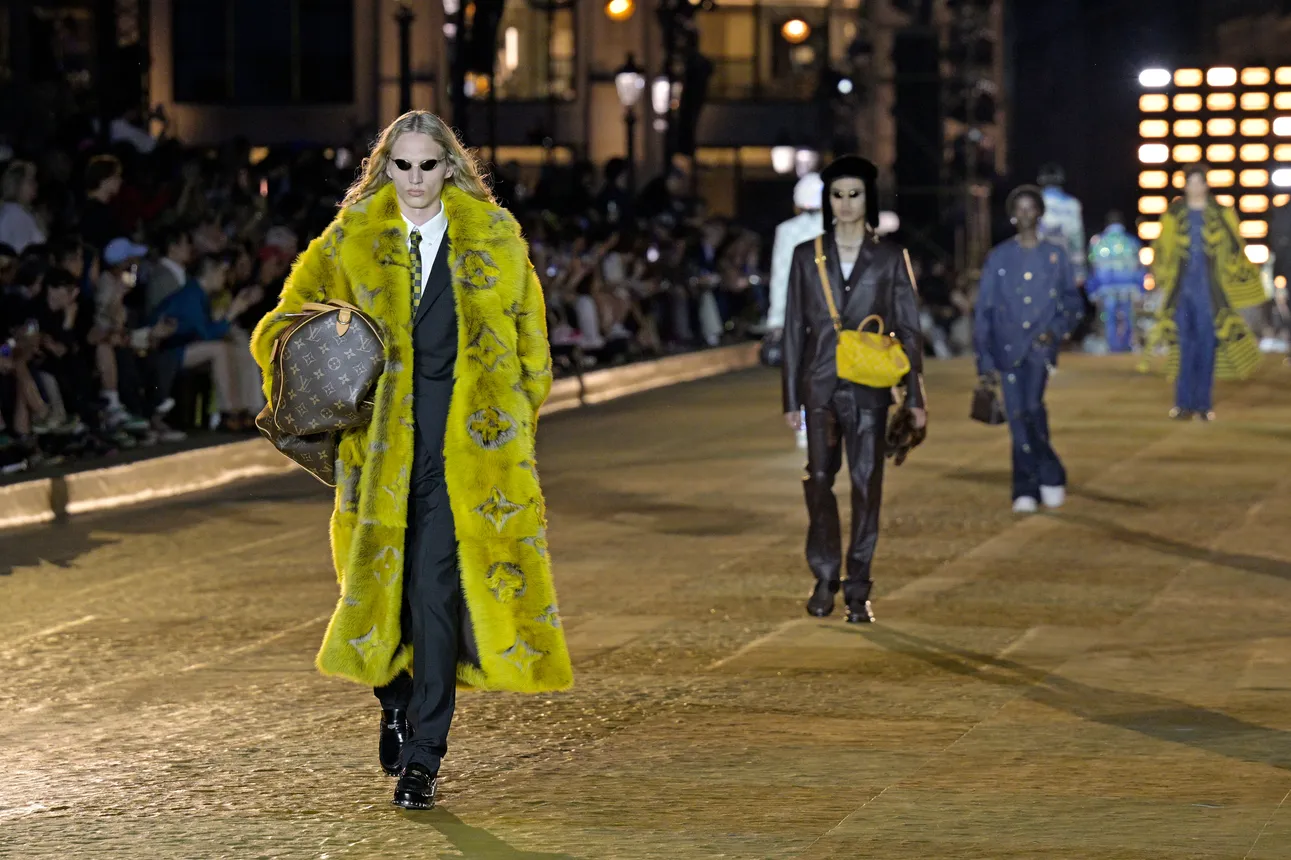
(199, 334)
(113, 337)
(99, 224)
(19, 228)
(170, 274)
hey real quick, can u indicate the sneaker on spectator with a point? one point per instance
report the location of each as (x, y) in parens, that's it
(166, 433)
(117, 418)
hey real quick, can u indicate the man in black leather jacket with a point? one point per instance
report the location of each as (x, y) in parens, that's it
(867, 275)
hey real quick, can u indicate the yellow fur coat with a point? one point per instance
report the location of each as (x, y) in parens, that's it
(1235, 284)
(501, 377)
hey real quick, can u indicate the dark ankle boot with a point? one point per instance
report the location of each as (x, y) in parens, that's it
(821, 602)
(394, 733)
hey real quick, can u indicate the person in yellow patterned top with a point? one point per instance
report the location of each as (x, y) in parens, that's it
(1205, 278)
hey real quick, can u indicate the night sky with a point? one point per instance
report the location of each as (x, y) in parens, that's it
(1074, 83)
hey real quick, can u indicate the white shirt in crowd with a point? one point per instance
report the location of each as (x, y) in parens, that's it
(790, 234)
(432, 236)
(19, 228)
(847, 270)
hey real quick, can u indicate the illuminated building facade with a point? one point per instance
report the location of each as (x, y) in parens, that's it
(1236, 120)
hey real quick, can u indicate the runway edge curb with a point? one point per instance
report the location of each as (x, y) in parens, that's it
(46, 499)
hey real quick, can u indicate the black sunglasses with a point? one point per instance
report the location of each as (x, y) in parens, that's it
(427, 165)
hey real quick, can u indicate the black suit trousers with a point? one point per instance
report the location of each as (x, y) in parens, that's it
(844, 422)
(432, 611)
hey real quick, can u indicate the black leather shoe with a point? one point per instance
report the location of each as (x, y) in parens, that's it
(821, 602)
(416, 788)
(394, 732)
(859, 613)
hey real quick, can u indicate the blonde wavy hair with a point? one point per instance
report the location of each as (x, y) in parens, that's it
(467, 173)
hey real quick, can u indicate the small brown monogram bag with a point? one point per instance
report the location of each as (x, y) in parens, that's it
(325, 367)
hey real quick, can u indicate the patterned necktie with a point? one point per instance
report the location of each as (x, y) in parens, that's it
(414, 239)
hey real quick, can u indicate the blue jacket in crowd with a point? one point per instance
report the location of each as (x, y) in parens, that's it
(190, 307)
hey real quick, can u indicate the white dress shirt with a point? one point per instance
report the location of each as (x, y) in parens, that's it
(432, 236)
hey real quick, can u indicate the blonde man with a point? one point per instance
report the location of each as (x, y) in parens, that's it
(439, 528)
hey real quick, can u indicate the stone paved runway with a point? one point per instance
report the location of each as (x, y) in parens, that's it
(1110, 682)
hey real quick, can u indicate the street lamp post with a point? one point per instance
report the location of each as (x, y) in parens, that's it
(404, 17)
(629, 83)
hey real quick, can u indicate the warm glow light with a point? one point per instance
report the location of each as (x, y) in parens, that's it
(1146, 256)
(1154, 153)
(1280, 282)
(1221, 76)
(1154, 179)
(1282, 152)
(1188, 78)
(782, 159)
(1282, 199)
(1187, 128)
(1154, 103)
(1153, 205)
(1255, 127)
(1254, 178)
(1154, 78)
(1253, 229)
(1255, 152)
(1282, 101)
(1220, 152)
(1283, 75)
(1149, 283)
(1220, 178)
(620, 10)
(1256, 77)
(1255, 101)
(511, 49)
(795, 31)
(1221, 101)
(1257, 254)
(1253, 203)
(1149, 230)
(1154, 128)
(1282, 178)
(1186, 153)
(1178, 180)
(1224, 199)
(1186, 102)
(1282, 126)
(1221, 127)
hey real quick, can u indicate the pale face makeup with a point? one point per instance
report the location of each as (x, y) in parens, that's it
(847, 199)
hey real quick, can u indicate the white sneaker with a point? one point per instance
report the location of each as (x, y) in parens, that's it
(1053, 497)
(1024, 505)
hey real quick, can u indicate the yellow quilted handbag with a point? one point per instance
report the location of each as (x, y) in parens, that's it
(873, 359)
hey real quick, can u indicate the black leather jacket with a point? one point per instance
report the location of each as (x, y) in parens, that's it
(881, 283)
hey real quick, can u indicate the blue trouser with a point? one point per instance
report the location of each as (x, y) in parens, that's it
(1196, 350)
(1034, 462)
(1119, 313)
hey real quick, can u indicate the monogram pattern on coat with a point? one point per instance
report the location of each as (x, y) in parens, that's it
(522, 655)
(497, 509)
(550, 616)
(477, 270)
(506, 581)
(491, 428)
(367, 644)
(388, 565)
(538, 542)
(487, 348)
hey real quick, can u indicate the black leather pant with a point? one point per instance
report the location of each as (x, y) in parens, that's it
(829, 429)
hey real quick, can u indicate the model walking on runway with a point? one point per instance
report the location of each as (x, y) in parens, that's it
(439, 528)
(1204, 278)
(865, 276)
(1027, 306)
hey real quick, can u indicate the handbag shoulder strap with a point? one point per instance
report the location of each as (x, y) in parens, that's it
(824, 284)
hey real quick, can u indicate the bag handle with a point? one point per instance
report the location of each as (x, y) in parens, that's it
(872, 318)
(824, 284)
